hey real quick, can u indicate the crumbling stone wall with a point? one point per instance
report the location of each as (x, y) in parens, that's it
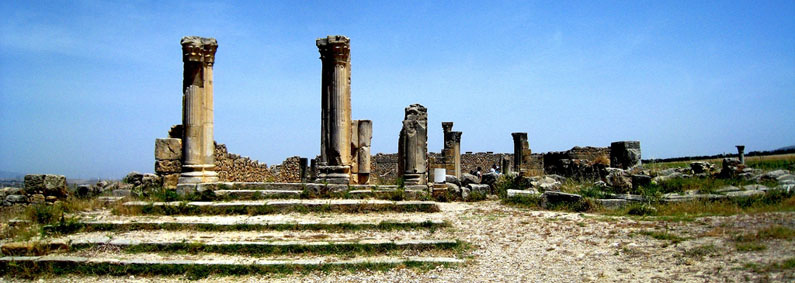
(235, 168)
(288, 172)
(579, 162)
(484, 160)
(39, 188)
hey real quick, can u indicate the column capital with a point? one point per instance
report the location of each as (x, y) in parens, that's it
(447, 127)
(519, 136)
(334, 47)
(198, 49)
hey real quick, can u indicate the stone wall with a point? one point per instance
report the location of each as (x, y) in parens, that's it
(471, 161)
(235, 168)
(288, 172)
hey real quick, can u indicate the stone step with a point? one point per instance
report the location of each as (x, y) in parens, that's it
(276, 206)
(255, 190)
(257, 194)
(227, 247)
(247, 224)
(196, 268)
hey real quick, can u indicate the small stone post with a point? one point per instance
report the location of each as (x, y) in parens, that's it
(741, 153)
(505, 164)
(365, 136)
(335, 152)
(413, 146)
(198, 57)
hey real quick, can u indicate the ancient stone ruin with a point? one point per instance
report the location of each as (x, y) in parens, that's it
(342, 139)
(191, 156)
(524, 162)
(198, 56)
(413, 146)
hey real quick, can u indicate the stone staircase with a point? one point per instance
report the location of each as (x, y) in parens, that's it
(261, 190)
(236, 237)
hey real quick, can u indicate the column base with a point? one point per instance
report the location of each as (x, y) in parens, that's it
(333, 174)
(194, 174)
(410, 179)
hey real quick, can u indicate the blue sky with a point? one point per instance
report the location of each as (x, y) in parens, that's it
(86, 86)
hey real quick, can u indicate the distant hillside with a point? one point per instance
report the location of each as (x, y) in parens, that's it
(7, 175)
(783, 150)
(786, 148)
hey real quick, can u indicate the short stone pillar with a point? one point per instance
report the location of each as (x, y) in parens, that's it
(364, 134)
(413, 146)
(198, 57)
(741, 153)
(521, 152)
(505, 161)
(335, 151)
(451, 153)
(625, 154)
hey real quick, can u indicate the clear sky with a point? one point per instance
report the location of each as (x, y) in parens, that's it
(86, 86)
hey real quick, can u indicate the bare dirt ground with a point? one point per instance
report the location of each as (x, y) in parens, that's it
(510, 244)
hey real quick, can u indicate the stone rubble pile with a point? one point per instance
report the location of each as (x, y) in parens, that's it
(38, 189)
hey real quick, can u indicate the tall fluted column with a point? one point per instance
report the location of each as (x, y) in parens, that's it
(198, 56)
(335, 151)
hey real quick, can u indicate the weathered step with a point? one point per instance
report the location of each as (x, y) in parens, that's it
(276, 206)
(129, 225)
(231, 247)
(263, 190)
(198, 268)
(257, 194)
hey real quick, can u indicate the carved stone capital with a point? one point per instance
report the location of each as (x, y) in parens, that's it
(199, 49)
(334, 47)
(447, 127)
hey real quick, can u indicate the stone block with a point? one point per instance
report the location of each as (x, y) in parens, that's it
(168, 166)
(49, 185)
(612, 203)
(37, 198)
(15, 199)
(514, 193)
(553, 198)
(170, 181)
(625, 154)
(483, 189)
(168, 149)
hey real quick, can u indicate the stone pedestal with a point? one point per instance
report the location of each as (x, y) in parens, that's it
(741, 153)
(413, 146)
(335, 151)
(198, 164)
(625, 154)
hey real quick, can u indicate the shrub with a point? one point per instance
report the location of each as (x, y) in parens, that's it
(641, 210)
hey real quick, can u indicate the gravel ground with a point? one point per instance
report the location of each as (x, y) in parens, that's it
(519, 245)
